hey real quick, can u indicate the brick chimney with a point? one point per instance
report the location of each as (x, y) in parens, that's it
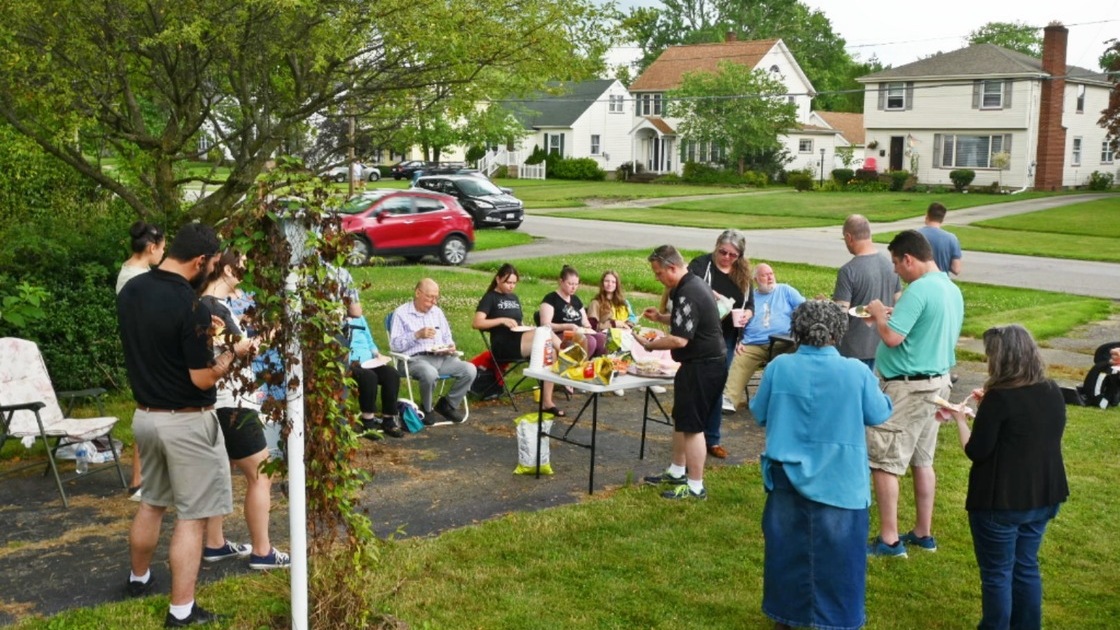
(730, 36)
(1051, 155)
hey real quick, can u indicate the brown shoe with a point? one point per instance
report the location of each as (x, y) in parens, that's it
(717, 451)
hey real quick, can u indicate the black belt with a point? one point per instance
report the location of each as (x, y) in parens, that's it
(913, 377)
(179, 410)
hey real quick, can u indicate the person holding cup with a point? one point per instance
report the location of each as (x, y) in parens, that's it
(1018, 478)
(728, 272)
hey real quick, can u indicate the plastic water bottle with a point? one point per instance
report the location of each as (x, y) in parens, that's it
(81, 458)
(549, 353)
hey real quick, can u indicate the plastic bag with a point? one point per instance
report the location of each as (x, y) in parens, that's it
(527, 444)
(619, 340)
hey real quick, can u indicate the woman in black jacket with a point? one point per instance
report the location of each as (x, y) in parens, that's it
(1018, 479)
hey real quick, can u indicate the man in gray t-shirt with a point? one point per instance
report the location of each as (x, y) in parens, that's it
(868, 276)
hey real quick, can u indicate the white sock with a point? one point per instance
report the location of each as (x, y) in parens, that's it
(696, 486)
(143, 579)
(183, 611)
(676, 471)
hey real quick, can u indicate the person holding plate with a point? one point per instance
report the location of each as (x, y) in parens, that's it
(814, 405)
(563, 312)
(499, 311)
(420, 330)
(867, 276)
(373, 370)
(1018, 477)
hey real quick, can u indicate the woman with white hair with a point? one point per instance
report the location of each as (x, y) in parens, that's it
(814, 405)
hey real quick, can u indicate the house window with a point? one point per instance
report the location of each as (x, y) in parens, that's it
(703, 152)
(992, 95)
(650, 105)
(615, 103)
(971, 151)
(203, 143)
(656, 104)
(1107, 153)
(554, 144)
(805, 146)
(1075, 158)
(594, 144)
(896, 96)
(1081, 99)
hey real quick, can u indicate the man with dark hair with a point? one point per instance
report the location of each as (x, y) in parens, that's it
(695, 339)
(867, 276)
(164, 331)
(946, 246)
(918, 347)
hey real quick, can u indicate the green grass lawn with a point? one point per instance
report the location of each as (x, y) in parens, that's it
(554, 193)
(1083, 231)
(628, 559)
(786, 208)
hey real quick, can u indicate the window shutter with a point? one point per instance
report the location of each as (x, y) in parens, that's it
(936, 150)
(1007, 85)
(977, 87)
(882, 96)
(562, 145)
(909, 95)
(1007, 143)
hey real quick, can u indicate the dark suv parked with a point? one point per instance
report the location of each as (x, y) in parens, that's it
(487, 203)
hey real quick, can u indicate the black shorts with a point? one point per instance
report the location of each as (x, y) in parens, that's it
(697, 389)
(243, 432)
(506, 347)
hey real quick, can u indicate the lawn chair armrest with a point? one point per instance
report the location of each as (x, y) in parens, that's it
(69, 399)
(27, 406)
(83, 393)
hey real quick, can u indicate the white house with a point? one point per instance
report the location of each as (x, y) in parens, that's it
(586, 119)
(960, 109)
(658, 147)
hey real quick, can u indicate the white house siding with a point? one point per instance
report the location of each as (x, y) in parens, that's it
(1084, 125)
(811, 160)
(613, 129)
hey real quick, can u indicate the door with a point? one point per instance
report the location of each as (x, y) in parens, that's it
(898, 150)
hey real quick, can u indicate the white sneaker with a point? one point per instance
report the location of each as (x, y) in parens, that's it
(619, 392)
(136, 496)
(657, 389)
(728, 406)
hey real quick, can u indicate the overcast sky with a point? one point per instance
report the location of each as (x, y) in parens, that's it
(899, 33)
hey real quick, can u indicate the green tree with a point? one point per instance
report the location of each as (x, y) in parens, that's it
(1110, 116)
(740, 109)
(1016, 36)
(807, 32)
(143, 79)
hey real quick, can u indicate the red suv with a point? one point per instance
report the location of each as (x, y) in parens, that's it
(408, 223)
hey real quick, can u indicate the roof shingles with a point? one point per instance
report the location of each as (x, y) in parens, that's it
(665, 73)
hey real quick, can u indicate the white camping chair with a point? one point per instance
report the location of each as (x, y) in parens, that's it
(402, 366)
(29, 408)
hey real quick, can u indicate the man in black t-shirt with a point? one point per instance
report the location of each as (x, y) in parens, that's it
(695, 339)
(164, 332)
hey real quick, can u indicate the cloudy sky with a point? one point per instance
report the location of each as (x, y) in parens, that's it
(899, 33)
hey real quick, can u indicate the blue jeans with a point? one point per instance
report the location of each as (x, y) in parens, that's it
(1006, 543)
(715, 420)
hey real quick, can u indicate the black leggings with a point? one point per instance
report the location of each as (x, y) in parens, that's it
(368, 380)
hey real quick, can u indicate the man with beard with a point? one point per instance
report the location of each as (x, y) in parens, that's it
(773, 307)
(164, 331)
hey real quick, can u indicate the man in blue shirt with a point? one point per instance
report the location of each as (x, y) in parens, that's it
(946, 246)
(773, 306)
(919, 338)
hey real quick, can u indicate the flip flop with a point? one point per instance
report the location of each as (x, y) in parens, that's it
(556, 411)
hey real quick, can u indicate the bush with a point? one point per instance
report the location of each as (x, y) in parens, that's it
(697, 173)
(961, 178)
(842, 176)
(994, 189)
(1100, 181)
(475, 153)
(501, 173)
(626, 169)
(898, 180)
(215, 155)
(800, 181)
(865, 186)
(756, 179)
(867, 175)
(583, 169)
(537, 156)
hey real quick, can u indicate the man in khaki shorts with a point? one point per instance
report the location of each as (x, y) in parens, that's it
(919, 338)
(172, 371)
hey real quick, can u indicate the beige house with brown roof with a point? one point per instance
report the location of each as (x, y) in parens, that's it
(658, 147)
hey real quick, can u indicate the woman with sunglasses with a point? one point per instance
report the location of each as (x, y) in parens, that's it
(728, 272)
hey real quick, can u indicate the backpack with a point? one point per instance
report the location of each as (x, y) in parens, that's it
(486, 385)
(410, 415)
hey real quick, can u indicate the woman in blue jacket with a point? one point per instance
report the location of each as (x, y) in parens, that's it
(366, 364)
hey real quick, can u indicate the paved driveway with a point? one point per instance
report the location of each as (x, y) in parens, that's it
(824, 246)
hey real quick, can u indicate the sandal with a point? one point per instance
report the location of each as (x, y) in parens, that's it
(554, 410)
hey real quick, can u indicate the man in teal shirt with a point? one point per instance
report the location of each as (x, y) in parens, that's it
(919, 338)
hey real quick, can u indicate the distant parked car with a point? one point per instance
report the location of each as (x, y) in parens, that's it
(408, 223)
(487, 203)
(341, 174)
(405, 169)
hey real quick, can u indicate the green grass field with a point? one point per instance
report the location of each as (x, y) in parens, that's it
(1083, 231)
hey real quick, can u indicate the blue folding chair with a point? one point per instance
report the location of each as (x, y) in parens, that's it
(403, 361)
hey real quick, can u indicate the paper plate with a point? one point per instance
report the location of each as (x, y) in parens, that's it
(521, 328)
(859, 311)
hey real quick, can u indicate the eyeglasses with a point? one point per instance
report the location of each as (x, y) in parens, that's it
(728, 253)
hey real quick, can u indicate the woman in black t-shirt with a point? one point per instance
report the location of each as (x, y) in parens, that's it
(499, 312)
(563, 312)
